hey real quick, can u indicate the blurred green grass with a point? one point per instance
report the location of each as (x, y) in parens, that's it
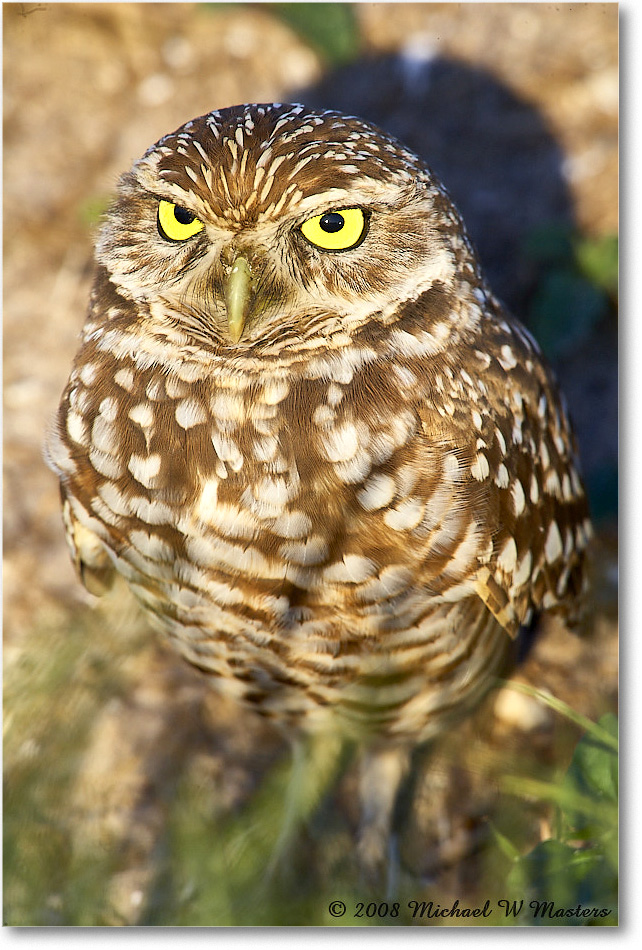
(213, 865)
(52, 695)
(576, 286)
(578, 863)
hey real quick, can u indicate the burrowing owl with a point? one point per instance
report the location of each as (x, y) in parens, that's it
(331, 467)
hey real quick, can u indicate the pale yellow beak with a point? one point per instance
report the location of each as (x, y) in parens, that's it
(238, 296)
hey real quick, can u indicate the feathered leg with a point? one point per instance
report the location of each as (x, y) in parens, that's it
(382, 771)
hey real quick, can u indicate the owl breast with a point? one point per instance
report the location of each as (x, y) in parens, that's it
(291, 527)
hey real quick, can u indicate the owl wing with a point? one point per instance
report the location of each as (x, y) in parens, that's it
(88, 552)
(521, 487)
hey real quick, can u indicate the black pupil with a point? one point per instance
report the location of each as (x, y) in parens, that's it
(183, 216)
(332, 222)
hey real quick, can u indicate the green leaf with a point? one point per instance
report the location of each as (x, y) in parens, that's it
(591, 783)
(537, 872)
(329, 28)
(557, 872)
(506, 846)
(593, 767)
(597, 259)
(558, 869)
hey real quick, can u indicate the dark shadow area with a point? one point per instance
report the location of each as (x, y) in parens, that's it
(492, 150)
(505, 171)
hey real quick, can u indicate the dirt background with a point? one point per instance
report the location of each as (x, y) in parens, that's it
(514, 105)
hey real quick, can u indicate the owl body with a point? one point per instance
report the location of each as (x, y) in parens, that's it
(339, 478)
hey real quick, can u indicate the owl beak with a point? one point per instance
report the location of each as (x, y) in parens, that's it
(238, 297)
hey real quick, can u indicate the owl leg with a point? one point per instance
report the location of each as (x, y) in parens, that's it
(382, 771)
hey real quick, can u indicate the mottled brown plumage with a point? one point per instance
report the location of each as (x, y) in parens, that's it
(339, 479)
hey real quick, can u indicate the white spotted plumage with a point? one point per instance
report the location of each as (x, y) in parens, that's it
(372, 482)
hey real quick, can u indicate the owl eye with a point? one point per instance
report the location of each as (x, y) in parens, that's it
(176, 223)
(336, 230)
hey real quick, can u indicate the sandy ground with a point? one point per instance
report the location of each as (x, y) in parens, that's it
(515, 105)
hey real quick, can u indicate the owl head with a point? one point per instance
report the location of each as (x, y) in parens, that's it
(262, 225)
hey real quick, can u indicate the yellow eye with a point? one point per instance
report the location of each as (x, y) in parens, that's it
(336, 230)
(176, 223)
